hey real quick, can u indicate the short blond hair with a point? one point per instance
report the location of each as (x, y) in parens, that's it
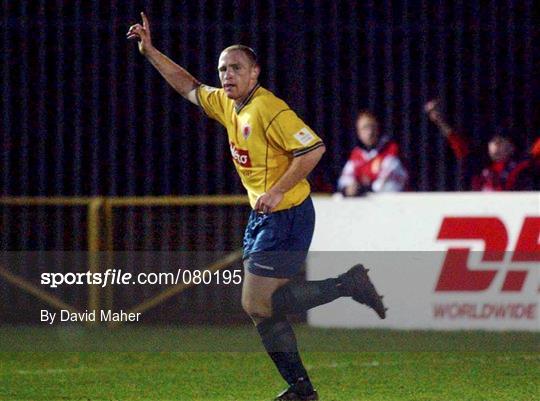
(248, 51)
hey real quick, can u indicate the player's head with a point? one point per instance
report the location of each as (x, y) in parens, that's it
(238, 71)
(367, 128)
(501, 146)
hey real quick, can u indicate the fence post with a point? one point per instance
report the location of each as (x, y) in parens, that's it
(94, 245)
(109, 248)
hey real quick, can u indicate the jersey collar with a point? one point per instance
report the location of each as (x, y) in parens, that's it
(239, 107)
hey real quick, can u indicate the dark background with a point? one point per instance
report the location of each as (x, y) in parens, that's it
(84, 114)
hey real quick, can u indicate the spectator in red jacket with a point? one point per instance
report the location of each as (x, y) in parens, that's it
(374, 164)
(526, 175)
(501, 152)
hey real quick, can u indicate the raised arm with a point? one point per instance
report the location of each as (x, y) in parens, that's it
(436, 116)
(459, 144)
(181, 80)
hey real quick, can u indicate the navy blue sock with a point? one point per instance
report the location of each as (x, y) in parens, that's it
(298, 297)
(280, 342)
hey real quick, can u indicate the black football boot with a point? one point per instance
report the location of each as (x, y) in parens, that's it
(357, 285)
(300, 391)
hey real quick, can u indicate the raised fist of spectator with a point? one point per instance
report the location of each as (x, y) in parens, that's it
(434, 112)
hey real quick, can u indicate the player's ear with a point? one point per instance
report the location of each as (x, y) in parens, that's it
(255, 71)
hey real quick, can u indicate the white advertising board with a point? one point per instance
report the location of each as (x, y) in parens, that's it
(448, 261)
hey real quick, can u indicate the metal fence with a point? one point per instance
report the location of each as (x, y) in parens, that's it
(155, 234)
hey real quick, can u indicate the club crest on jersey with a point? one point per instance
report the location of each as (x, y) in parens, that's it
(246, 131)
(240, 156)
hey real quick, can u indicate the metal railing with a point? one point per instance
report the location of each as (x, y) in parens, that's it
(105, 232)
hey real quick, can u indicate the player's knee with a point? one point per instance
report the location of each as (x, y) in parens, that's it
(256, 309)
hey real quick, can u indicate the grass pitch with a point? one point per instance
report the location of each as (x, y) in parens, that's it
(142, 363)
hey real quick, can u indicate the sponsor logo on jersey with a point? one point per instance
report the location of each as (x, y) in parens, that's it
(240, 156)
(304, 136)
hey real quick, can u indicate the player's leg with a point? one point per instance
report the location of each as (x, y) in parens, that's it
(277, 335)
(257, 294)
(300, 296)
(275, 247)
(265, 271)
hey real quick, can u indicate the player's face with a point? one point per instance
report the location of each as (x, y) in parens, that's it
(238, 75)
(500, 149)
(367, 130)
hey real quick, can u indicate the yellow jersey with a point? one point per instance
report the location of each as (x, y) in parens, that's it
(264, 136)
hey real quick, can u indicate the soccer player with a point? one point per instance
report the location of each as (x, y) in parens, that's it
(273, 151)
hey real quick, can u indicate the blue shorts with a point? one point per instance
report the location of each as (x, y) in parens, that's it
(276, 244)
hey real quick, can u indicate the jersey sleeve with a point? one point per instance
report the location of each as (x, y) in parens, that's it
(459, 145)
(291, 134)
(212, 101)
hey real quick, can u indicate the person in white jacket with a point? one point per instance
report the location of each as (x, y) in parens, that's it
(374, 164)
